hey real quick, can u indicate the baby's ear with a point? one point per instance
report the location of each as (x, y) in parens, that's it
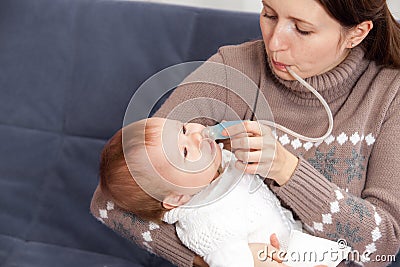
(174, 200)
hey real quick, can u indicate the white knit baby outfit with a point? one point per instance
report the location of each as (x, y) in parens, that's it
(219, 229)
(236, 209)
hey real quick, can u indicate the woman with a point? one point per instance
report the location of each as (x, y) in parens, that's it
(344, 188)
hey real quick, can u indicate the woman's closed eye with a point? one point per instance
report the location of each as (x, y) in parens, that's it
(274, 18)
(270, 17)
(302, 32)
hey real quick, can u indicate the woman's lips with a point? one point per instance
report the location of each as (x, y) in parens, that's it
(280, 66)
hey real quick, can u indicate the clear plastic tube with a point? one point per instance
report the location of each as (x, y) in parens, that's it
(323, 102)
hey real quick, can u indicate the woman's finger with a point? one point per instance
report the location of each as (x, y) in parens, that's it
(247, 142)
(279, 257)
(273, 239)
(257, 156)
(247, 167)
(254, 168)
(247, 127)
(274, 254)
(243, 135)
(255, 142)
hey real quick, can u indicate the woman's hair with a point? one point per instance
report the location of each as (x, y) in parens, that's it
(116, 180)
(383, 42)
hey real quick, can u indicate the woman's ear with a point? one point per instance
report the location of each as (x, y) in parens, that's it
(359, 32)
(175, 200)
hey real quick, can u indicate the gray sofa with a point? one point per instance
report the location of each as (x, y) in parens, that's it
(68, 69)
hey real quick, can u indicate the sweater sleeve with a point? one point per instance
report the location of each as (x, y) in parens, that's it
(159, 239)
(370, 223)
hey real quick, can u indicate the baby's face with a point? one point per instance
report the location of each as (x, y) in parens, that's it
(184, 158)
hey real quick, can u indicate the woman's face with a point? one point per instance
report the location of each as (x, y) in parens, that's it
(300, 34)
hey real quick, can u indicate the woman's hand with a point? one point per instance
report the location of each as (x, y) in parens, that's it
(267, 255)
(258, 152)
(255, 249)
(272, 259)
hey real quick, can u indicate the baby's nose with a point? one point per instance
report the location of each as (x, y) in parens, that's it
(196, 137)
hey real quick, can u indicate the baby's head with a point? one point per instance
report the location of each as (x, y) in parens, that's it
(169, 160)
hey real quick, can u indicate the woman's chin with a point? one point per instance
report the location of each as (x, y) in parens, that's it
(284, 75)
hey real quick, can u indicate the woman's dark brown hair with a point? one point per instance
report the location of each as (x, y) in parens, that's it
(383, 42)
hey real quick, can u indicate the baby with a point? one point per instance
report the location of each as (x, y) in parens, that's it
(190, 181)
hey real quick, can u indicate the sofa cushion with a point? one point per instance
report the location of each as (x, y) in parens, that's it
(17, 252)
(68, 69)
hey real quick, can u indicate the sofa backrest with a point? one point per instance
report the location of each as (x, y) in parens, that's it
(68, 69)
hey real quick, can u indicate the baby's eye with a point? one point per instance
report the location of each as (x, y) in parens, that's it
(183, 129)
(185, 152)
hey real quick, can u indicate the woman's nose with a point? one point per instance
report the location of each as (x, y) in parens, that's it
(278, 40)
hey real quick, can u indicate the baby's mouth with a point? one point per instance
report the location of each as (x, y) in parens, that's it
(210, 143)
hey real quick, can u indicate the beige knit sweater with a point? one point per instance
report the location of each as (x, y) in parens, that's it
(346, 187)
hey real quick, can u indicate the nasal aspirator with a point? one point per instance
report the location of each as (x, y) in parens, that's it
(215, 132)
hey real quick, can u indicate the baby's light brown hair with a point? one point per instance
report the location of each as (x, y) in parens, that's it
(116, 180)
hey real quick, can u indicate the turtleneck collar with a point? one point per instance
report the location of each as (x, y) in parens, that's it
(331, 84)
